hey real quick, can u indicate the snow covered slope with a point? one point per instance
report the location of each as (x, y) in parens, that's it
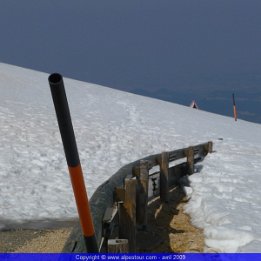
(112, 129)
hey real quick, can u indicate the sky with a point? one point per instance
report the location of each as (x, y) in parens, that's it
(175, 50)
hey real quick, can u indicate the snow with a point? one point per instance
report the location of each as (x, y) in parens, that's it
(112, 129)
(226, 199)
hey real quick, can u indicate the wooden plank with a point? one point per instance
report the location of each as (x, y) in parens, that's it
(127, 214)
(108, 224)
(118, 246)
(176, 172)
(210, 147)
(204, 150)
(135, 170)
(177, 154)
(190, 160)
(142, 194)
(152, 163)
(110, 214)
(119, 194)
(164, 177)
(200, 149)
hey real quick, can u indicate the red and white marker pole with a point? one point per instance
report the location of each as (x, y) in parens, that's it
(73, 161)
(234, 107)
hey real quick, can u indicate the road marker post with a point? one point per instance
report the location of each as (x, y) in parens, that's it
(73, 160)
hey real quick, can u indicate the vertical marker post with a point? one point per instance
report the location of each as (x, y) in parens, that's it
(73, 161)
(234, 107)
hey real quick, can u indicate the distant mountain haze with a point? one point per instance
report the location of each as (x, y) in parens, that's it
(176, 50)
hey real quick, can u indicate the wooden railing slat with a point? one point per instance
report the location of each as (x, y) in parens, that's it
(127, 214)
(164, 177)
(142, 193)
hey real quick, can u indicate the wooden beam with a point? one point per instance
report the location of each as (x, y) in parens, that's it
(118, 246)
(210, 147)
(119, 194)
(190, 160)
(176, 172)
(176, 154)
(127, 214)
(164, 177)
(142, 194)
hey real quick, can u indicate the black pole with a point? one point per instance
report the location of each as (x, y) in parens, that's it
(73, 161)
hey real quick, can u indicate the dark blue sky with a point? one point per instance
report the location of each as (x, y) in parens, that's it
(173, 50)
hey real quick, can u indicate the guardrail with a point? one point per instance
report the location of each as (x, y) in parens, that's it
(120, 205)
